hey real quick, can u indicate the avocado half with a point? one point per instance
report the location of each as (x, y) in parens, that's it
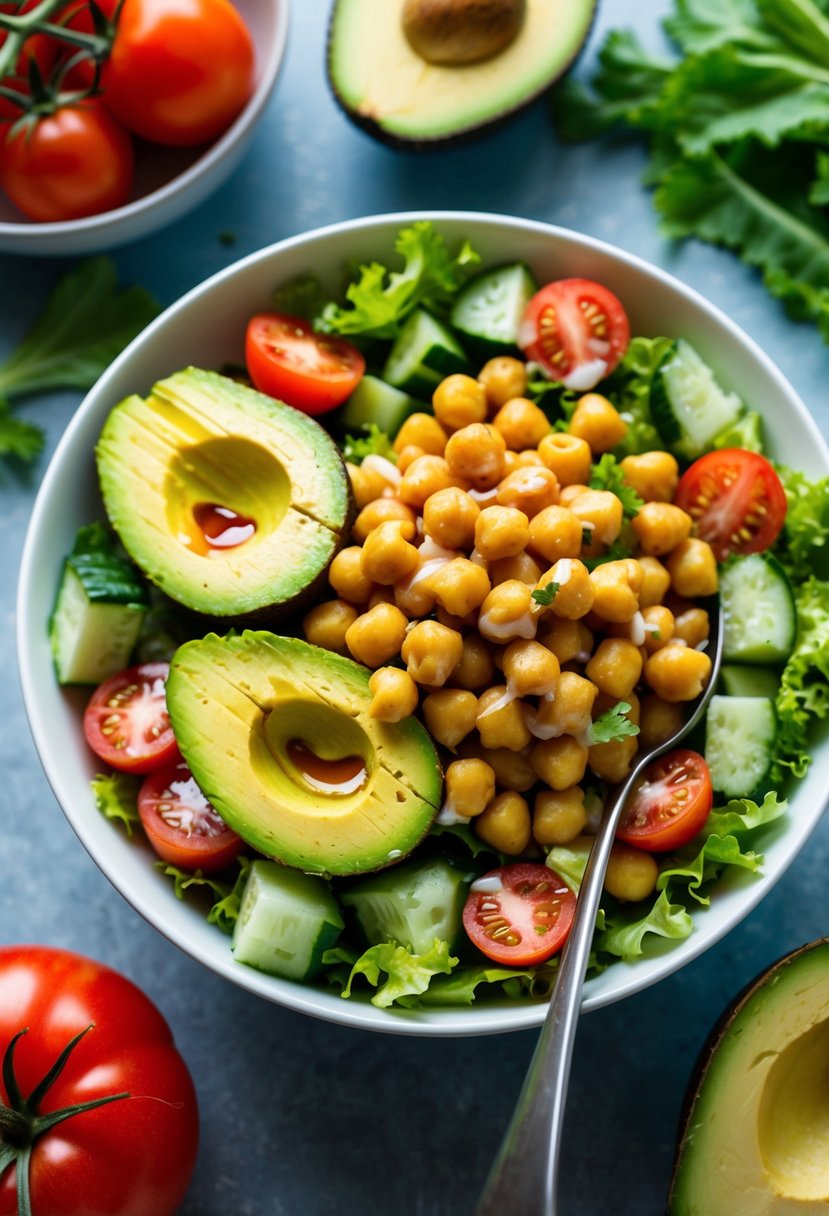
(278, 736)
(755, 1135)
(204, 461)
(386, 88)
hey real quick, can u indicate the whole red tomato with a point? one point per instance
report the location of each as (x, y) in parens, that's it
(130, 1157)
(180, 70)
(75, 162)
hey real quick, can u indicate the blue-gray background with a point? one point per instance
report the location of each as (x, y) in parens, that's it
(301, 1118)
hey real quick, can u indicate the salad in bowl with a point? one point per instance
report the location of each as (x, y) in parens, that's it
(371, 591)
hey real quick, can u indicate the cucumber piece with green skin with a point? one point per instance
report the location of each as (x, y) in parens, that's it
(739, 681)
(412, 904)
(489, 309)
(99, 609)
(740, 734)
(687, 405)
(424, 352)
(758, 610)
(374, 401)
(287, 920)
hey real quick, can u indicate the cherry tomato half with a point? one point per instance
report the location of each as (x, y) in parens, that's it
(669, 804)
(525, 919)
(180, 71)
(181, 825)
(75, 162)
(577, 330)
(287, 360)
(736, 500)
(126, 721)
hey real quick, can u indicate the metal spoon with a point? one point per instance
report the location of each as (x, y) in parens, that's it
(524, 1176)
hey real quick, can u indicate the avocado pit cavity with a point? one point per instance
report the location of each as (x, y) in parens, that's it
(452, 33)
(793, 1123)
(222, 527)
(343, 775)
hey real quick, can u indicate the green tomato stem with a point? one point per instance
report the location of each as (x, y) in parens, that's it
(20, 26)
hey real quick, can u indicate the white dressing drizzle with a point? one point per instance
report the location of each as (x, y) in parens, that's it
(383, 468)
(523, 626)
(638, 629)
(487, 497)
(506, 698)
(448, 816)
(586, 375)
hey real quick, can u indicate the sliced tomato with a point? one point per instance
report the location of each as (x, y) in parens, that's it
(577, 330)
(126, 721)
(522, 916)
(736, 500)
(181, 825)
(669, 804)
(287, 360)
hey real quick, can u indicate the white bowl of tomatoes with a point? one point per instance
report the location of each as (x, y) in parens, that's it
(177, 98)
(208, 328)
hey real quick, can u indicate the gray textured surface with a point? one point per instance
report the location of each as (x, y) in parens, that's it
(301, 1118)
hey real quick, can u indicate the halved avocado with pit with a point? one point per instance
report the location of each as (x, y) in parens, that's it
(389, 89)
(279, 738)
(755, 1136)
(232, 503)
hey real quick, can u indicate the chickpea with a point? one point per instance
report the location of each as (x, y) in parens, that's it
(614, 599)
(568, 640)
(660, 720)
(424, 431)
(377, 635)
(574, 597)
(570, 713)
(501, 532)
(366, 484)
(530, 488)
(601, 512)
(431, 652)
(659, 626)
(394, 694)
(522, 423)
(414, 597)
(449, 517)
(470, 786)
(530, 458)
(560, 761)
(653, 475)
(501, 725)
(476, 668)
(559, 816)
(506, 613)
(387, 557)
(531, 669)
(505, 824)
(381, 511)
(693, 569)
(424, 477)
(660, 527)
(409, 455)
(692, 626)
(631, 873)
(476, 454)
(460, 587)
(521, 567)
(568, 494)
(512, 769)
(556, 532)
(615, 668)
(345, 574)
(567, 456)
(450, 715)
(503, 378)
(655, 582)
(381, 595)
(611, 761)
(677, 673)
(326, 625)
(597, 422)
(459, 400)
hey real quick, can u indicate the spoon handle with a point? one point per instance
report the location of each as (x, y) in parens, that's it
(522, 1178)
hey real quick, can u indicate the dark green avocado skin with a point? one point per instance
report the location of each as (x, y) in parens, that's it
(464, 135)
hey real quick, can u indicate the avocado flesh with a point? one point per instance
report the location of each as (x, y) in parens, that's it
(200, 438)
(756, 1139)
(389, 89)
(237, 703)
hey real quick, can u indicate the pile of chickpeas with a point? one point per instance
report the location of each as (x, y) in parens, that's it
(487, 503)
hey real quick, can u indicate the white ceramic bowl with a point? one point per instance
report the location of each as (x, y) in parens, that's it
(206, 327)
(168, 181)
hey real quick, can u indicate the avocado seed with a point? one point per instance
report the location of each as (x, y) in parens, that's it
(456, 32)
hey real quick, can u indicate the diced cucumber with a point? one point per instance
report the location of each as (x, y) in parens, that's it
(750, 681)
(746, 432)
(287, 920)
(98, 612)
(374, 401)
(758, 610)
(740, 734)
(489, 309)
(424, 352)
(688, 406)
(412, 904)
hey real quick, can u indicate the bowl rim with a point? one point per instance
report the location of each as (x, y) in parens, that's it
(453, 1021)
(267, 68)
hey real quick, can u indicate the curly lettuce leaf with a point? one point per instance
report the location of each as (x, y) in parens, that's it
(629, 388)
(227, 895)
(373, 442)
(380, 299)
(804, 685)
(460, 988)
(116, 797)
(407, 974)
(626, 928)
(626, 88)
(741, 815)
(608, 474)
(806, 530)
(18, 438)
(225, 912)
(302, 296)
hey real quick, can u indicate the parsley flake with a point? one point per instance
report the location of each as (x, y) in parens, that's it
(612, 725)
(546, 594)
(608, 474)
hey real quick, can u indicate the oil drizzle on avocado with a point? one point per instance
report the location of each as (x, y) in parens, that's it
(222, 527)
(344, 775)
